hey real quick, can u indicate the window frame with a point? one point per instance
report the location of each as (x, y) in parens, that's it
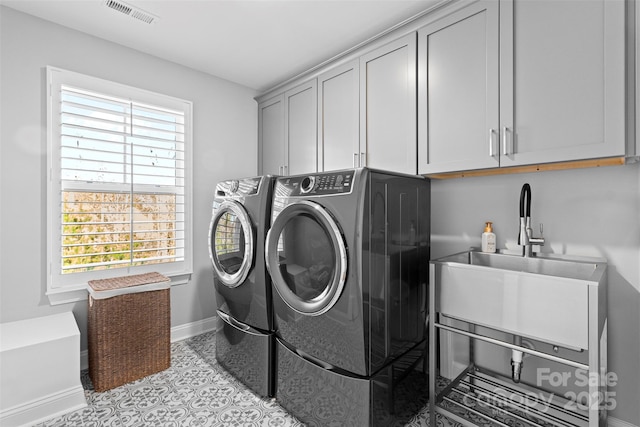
(63, 288)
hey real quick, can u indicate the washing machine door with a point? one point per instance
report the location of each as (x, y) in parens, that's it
(307, 258)
(231, 246)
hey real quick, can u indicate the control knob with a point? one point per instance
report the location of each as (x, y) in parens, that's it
(233, 186)
(307, 184)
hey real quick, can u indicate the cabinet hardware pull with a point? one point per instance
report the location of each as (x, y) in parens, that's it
(363, 159)
(491, 134)
(505, 145)
(355, 160)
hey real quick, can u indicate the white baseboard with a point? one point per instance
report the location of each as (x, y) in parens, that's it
(192, 329)
(44, 408)
(178, 333)
(615, 422)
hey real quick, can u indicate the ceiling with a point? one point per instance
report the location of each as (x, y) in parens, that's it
(255, 43)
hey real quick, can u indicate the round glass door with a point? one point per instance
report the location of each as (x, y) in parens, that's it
(231, 243)
(306, 258)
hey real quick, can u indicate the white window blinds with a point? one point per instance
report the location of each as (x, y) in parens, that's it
(121, 169)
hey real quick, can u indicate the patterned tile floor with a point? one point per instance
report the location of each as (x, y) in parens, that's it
(194, 391)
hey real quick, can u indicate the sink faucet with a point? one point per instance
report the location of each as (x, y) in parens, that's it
(526, 240)
(525, 237)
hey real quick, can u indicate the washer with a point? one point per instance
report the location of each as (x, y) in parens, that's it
(348, 255)
(245, 332)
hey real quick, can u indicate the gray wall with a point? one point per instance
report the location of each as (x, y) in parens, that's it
(224, 146)
(587, 212)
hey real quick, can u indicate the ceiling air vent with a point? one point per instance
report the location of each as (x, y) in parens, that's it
(131, 11)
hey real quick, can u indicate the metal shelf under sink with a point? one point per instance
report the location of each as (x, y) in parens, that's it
(487, 396)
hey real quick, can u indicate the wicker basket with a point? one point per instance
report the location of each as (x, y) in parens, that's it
(128, 329)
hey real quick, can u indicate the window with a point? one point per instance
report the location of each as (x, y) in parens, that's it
(119, 188)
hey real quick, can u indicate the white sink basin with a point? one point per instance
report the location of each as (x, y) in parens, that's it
(542, 298)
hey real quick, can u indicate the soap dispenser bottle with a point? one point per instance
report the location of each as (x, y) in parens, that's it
(488, 239)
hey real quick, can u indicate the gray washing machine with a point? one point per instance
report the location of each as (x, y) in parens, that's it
(245, 331)
(348, 254)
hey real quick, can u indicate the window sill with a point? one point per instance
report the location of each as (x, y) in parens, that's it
(79, 293)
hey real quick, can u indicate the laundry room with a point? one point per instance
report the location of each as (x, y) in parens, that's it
(321, 213)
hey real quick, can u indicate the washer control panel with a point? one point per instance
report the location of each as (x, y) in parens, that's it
(322, 184)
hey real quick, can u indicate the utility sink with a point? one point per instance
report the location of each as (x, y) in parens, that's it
(584, 270)
(543, 298)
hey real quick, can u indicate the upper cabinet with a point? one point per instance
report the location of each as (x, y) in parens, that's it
(287, 131)
(388, 108)
(338, 118)
(472, 85)
(301, 129)
(520, 82)
(567, 94)
(634, 71)
(359, 113)
(271, 136)
(458, 91)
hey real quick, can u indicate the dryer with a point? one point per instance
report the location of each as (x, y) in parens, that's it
(245, 331)
(348, 255)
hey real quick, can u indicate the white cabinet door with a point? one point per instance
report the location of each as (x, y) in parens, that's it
(562, 80)
(636, 123)
(521, 82)
(301, 128)
(271, 136)
(338, 115)
(458, 91)
(388, 135)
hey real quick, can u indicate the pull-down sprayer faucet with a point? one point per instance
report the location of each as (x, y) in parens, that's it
(526, 240)
(525, 237)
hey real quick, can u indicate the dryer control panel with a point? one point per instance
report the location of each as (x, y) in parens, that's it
(238, 187)
(322, 184)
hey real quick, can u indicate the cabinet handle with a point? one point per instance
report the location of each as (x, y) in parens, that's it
(363, 159)
(505, 145)
(355, 160)
(491, 142)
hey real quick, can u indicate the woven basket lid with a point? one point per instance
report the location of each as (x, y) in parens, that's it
(127, 281)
